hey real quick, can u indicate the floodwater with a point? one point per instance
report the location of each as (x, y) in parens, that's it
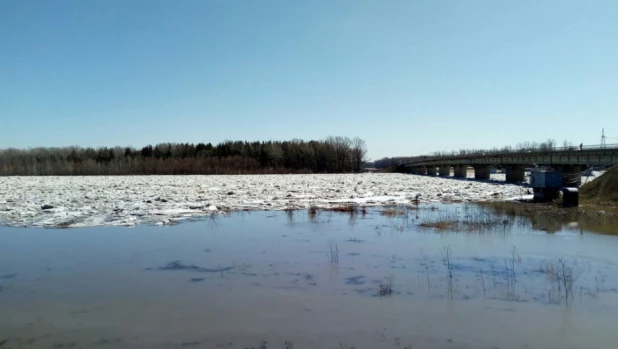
(293, 280)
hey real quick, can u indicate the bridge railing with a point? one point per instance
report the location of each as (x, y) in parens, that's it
(530, 151)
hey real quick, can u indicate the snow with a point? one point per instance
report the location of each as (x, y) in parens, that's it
(162, 200)
(593, 175)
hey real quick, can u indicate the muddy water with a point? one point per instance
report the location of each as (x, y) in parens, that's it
(269, 280)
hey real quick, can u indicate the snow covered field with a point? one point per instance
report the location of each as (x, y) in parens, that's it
(130, 200)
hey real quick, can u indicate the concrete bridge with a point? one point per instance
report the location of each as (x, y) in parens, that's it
(571, 161)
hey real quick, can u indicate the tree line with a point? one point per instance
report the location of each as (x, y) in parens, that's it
(331, 155)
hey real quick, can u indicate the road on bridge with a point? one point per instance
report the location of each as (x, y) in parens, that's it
(571, 161)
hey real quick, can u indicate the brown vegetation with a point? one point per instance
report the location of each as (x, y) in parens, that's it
(439, 225)
(394, 211)
(550, 217)
(385, 288)
(348, 208)
(603, 190)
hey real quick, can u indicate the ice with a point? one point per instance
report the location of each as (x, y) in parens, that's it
(162, 200)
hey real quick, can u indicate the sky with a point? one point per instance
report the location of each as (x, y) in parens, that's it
(409, 77)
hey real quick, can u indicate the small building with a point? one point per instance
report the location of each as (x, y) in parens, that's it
(545, 185)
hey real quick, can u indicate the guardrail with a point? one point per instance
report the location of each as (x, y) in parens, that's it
(518, 152)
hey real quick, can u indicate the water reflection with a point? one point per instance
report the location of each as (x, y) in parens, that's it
(389, 278)
(602, 220)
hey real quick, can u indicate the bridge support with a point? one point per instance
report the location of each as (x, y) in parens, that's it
(432, 171)
(445, 170)
(571, 175)
(461, 171)
(421, 171)
(482, 172)
(515, 173)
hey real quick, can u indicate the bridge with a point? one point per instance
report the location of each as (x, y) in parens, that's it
(571, 161)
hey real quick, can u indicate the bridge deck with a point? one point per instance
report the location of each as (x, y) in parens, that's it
(587, 156)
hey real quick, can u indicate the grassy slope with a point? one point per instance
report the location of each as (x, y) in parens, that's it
(603, 190)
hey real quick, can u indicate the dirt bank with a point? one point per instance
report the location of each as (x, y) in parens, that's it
(603, 190)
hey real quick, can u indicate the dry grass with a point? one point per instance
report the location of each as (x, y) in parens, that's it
(386, 288)
(601, 219)
(439, 225)
(313, 213)
(349, 208)
(333, 253)
(449, 267)
(563, 274)
(470, 219)
(393, 212)
(603, 190)
(289, 211)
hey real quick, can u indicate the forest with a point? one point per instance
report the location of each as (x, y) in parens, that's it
(331, 155)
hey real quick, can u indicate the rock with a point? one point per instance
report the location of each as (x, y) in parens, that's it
(47, 207)
(230, 193)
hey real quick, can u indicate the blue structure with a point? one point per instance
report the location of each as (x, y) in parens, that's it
(545, 185)
(543, 179)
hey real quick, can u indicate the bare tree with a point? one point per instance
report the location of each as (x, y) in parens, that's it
(341, 148)
(358, 153)
(566, 144)
(229, 157)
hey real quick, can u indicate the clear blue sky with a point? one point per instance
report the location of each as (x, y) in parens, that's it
(407, 76)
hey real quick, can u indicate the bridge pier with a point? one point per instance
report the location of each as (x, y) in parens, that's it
(445, 170)
(422, 171)
(461, 171)
(482, 172)
(515, 173)
(570, 162)
(571, 175)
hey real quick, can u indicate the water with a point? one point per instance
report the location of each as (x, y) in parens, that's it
(268, 280)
